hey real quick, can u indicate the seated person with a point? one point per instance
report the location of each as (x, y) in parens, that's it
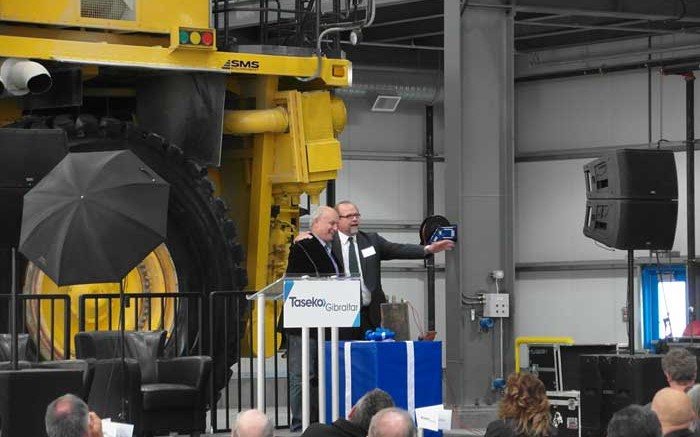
(524, 409)
(359, 417)
(675, 412)
(634, 421)
(69, 416)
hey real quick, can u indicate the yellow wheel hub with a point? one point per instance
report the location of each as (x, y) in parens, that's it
(155, 274)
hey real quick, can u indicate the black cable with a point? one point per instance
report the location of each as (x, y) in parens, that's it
(318, 275)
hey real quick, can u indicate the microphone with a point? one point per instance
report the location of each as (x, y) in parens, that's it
(311, 260)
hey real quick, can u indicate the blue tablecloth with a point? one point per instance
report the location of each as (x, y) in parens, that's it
(411, 372)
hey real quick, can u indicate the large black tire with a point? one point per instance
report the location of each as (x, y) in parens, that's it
(201, 238)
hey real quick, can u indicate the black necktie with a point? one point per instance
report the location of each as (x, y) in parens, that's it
(352, 258)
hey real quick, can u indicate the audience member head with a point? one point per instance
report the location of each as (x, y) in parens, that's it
(252, 423)
(370, 404)
(69, 416)
(324, 223)
(348, 217)
(392, 422)
(634, 421)
(673, 408)
(694, 395)
(680, 368)
(525, 403)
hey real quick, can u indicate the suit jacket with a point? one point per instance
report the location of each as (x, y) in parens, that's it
(371, 266)
(339, 428)
(308, 257)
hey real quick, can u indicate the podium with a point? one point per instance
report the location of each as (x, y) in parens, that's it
(311, 302)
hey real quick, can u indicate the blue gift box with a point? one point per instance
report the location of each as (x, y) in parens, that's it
(411, 372)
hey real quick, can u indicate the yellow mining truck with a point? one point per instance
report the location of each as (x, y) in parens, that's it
(239, 136)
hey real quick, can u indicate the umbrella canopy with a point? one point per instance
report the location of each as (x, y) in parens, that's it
(94, 217)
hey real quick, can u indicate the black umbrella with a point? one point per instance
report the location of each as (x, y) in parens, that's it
(94, 217)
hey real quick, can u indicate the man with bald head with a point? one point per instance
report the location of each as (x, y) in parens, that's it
(252, 423)
(69, 416)
(675, 412)
(392, 422)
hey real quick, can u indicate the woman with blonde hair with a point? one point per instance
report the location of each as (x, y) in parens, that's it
(524, 409)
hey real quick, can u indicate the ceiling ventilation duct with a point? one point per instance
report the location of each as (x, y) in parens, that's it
(413, 85)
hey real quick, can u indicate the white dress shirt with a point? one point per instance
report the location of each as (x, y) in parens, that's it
(345, 245)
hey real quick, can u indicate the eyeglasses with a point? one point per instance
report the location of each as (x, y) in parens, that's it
(351, 216)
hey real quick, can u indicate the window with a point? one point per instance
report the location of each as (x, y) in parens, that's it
(664, 302)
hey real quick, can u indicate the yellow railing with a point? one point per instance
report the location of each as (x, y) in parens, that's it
(537, 340)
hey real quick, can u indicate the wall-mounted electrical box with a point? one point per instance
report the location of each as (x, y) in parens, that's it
(497, 305)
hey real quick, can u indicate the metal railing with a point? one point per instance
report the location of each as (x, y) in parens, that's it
(177, 304)
(223, 314)
(29, 305)
(230, 302)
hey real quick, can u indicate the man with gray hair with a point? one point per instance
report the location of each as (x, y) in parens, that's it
(359, 417)
(680, 368)
(634, 421)
(361, 253)
(392, 422)
(69, 416)
(312, 257)
(252, 423)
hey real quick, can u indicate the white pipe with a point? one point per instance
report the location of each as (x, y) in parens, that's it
(321, 375)
(335, 376)
(500, 341)
(261, 351)
(22, 76)
(305, 386)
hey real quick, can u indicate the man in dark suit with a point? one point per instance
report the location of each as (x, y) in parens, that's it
(313, 257)
(359, 417)
(362, 252)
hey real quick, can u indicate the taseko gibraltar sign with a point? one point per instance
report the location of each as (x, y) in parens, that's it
(313, 302)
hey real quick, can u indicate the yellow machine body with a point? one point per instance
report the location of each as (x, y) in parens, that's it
(133, 15)
(289, 136)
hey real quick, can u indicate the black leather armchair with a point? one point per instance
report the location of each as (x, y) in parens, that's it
(26, 391)
(171, 394)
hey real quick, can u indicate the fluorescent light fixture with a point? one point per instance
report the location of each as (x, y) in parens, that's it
(385, 103)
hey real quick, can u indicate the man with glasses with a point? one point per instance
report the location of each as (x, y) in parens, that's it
(361, 254)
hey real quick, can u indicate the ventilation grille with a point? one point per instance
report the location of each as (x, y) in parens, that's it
(385, 103)
(108, 9)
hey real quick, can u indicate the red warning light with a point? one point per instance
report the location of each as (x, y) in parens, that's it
(207, 38)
